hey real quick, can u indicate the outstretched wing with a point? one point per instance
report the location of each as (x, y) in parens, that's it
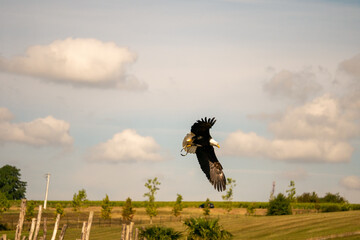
(211, 167)
(202, 127)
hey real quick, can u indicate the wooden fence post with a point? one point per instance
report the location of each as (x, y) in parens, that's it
(123, 230)
(21, 220)
(88, 228)
(127, 232)
(131, 230)
(63, 230)
(45, 229)
(83, 231)
(32, 228)
(56, 227)
(38, 223)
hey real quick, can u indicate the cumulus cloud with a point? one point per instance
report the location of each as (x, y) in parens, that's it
(351, 182)
(351, 66)
(322, 118)
(126, 146)
(293, 85)
(252, 145)
(319, 130)
(5, 115)
(47, 131)
(81, 62)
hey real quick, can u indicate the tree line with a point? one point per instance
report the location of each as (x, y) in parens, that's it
(13, 188)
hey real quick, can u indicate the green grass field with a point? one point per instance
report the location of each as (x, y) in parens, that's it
(300, 226)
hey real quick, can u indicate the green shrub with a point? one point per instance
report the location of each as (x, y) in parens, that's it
(205, 229)
(59, 209)
(279, 206)
(128, 211)
(30, 210)
(355, 206)
(106, 208)
(330, 208)
(345, 207)
(250, 210)
(159, 233)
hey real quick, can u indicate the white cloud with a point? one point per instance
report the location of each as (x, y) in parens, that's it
(126, 146)
(293, 85)
(5, 115)
(81, 62)
(320, 130)
(322, 118)
(252, 145)
(351, 182)
(39, 132)
(351, 66)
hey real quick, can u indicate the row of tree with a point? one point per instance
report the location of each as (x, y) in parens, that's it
(281, 204)
(312, 197)
(12, 188)
(152, 185)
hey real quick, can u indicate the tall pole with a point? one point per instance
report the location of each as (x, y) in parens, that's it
(272, 191)
(47, 188)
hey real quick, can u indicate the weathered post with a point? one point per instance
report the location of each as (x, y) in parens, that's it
(83, 231)
(127, 237)
(45, 229)
(63, 230)
(123, 230)
(38, 222)
(56, 227)
(88, 228)
(32, 228)
(21, 220)
(131, 230)
(136, 234)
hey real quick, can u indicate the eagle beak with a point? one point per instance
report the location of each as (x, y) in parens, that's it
(214, 143)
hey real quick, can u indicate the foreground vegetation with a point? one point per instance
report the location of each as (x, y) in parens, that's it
(299, 226)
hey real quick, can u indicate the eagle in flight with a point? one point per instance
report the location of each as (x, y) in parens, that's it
(200, 142)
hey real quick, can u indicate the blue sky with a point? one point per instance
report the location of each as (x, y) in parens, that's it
(101, 94)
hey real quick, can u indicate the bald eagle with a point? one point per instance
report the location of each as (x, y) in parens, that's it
(200, 142)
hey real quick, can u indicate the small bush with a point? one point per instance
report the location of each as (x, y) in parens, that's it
(345, 207)
(159, 233)
(250, 210)
(205, 229)
(330, 208)
(30, 210)
(279, 206)
(128, 211)
(355, 206)
(59, 209)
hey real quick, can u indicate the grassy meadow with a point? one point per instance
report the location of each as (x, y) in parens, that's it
(308, 225)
